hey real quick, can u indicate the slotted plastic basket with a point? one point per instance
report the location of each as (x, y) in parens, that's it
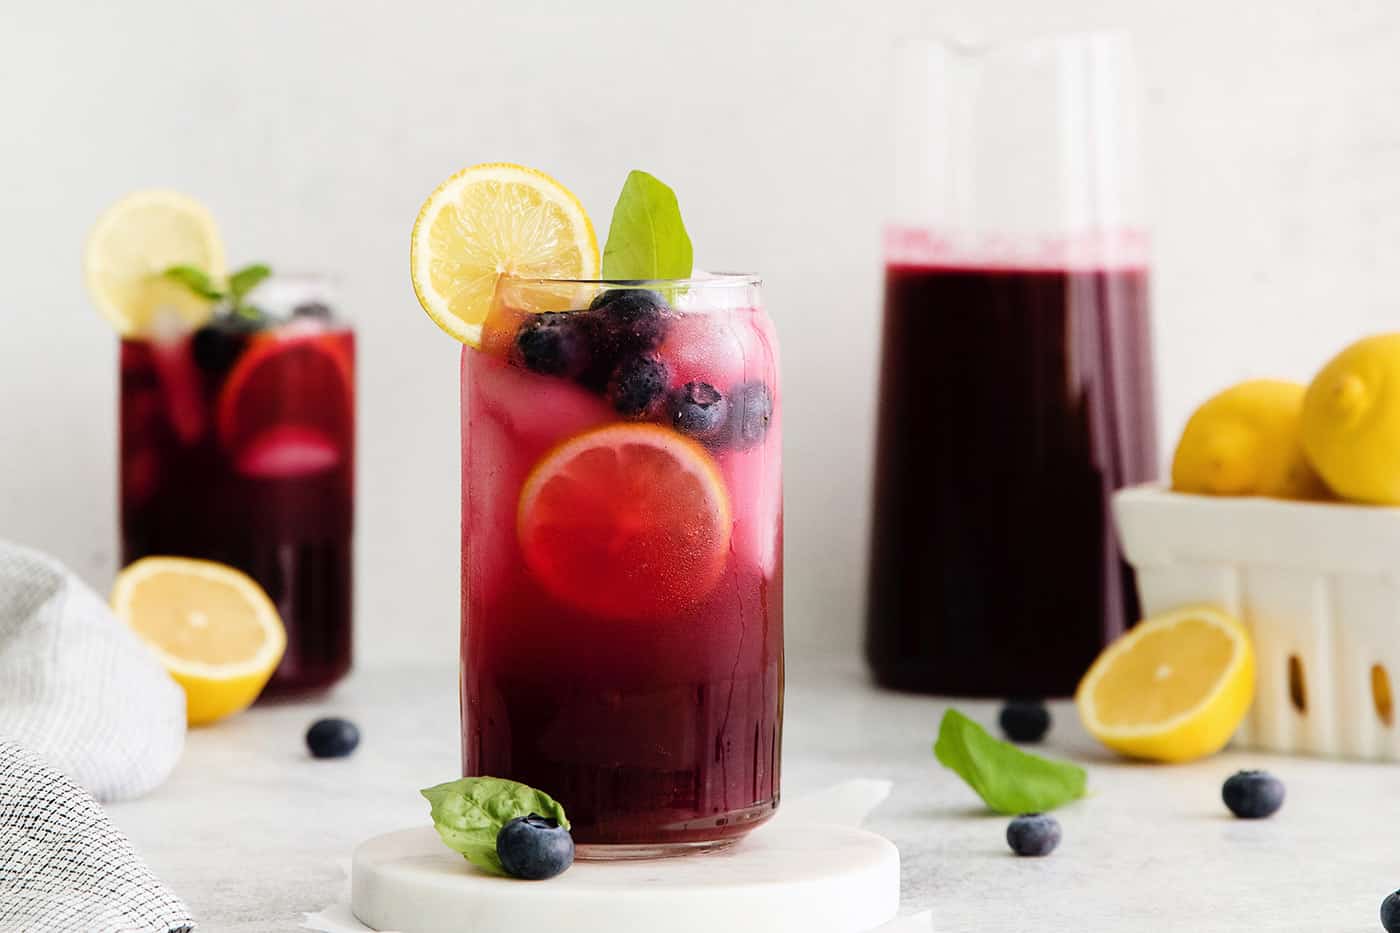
(1318, 586)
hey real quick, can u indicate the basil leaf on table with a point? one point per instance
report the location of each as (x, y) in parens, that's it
(468, 814)
(1007, 779)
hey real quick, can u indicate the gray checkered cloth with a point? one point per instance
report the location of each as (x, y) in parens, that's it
(77, 687)
(64, 866)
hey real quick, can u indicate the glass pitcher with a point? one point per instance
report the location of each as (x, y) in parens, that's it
(1016, 388)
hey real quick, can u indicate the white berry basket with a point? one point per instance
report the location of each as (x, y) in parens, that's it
(1318, 586)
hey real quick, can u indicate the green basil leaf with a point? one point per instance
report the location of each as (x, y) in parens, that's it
(468, 814)
(194, 279)
(1007, 779)
(246, 279)
(647, 238)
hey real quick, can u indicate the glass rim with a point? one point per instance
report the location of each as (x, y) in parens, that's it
(709, 280)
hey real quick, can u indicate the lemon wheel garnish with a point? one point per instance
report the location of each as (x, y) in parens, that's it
(137, 239)
(215, 630)
(490, 220)
(1174, 688)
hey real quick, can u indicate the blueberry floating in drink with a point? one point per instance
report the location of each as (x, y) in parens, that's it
(637, 386)
(699, 410)
(553, 344)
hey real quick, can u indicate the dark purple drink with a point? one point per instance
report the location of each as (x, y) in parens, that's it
(242, 451)
(1013, 403)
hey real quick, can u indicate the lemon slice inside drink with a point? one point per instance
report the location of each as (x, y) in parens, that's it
(487, 221)
(137, 239)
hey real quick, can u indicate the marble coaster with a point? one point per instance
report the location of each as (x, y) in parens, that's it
(784, 878)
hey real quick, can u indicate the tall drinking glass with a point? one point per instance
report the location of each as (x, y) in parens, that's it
(238, 445)
(622, 644)
(1016, 387)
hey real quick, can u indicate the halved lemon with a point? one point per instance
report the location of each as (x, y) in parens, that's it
(626, 521)
(1174, 688)
(212, 626)
(137, 239)
(490, 220)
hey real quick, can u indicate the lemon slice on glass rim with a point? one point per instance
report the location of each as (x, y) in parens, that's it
(137, 239)
(491, 220)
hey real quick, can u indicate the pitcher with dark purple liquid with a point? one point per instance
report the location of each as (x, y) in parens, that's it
(1016, 381)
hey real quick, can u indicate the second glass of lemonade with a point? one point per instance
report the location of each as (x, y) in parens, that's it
(622, 557)
(237, 445)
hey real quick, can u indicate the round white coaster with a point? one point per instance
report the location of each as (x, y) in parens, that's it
(783, 878)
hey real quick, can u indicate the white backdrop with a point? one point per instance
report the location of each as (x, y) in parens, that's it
(315, 129)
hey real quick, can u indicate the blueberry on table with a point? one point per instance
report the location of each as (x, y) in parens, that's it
(1252, 795)
(1024, 721)
(1390, 913)
(1033, 834)
(332, 738)
(534, 848)
(697, 409)
(751, 408)
(552, 344)
(637, 385)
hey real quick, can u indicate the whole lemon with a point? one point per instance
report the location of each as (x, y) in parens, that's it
(1245, 442)
(1351, 421)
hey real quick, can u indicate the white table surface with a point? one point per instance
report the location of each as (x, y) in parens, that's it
(253, 833)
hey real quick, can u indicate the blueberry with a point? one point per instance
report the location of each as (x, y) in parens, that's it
(698, 409)
(1252, 795)
(534, 848)
(637, 385)
(634, 317)
(314, 309)
(1390, 913)
(217, 344)
(332, 738)
(552, 344)
(619, 324)
(1033, 834)
(1024, 720)
(751, 408)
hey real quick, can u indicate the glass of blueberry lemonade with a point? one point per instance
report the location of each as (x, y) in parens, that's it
(622, 549)
(622, 556)
(237, 445)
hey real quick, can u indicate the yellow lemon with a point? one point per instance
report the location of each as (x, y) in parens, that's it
(1351, 421)
(212, 626)
(1246, 442)
(1174, 688)
(491, 220)
(137, 239)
